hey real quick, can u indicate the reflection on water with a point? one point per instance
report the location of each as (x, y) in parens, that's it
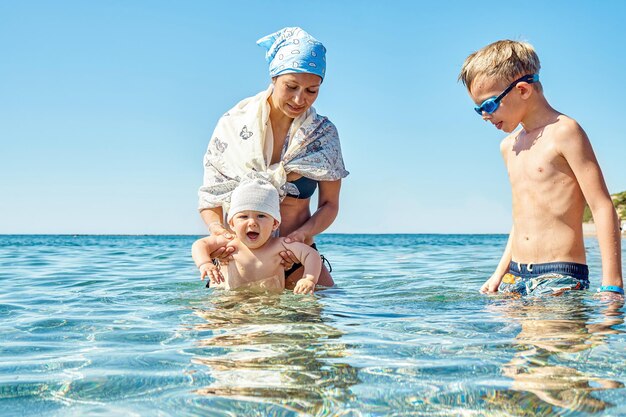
(548, 370)
(274, 350)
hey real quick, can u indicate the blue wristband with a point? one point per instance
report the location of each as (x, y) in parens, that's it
(611, 288)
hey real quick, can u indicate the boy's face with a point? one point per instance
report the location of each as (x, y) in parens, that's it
(507, 116)
(253, 228)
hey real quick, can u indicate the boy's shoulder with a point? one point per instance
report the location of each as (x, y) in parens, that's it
(566, 133)
(567, 125)
(563, 131)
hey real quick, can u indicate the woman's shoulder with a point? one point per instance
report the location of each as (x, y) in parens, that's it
(321, 122)
(247, 105)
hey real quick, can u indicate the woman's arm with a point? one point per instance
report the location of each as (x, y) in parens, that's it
(213, 219)
(327, 209)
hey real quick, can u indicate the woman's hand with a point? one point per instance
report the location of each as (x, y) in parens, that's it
(223, 253)
(297, 236)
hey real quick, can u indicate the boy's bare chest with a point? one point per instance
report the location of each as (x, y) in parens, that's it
(535, 164)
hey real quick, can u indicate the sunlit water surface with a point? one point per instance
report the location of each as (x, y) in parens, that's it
(121, 325)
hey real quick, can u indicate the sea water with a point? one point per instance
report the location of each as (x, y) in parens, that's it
(122, 326)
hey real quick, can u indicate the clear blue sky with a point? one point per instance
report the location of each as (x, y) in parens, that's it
(106, 108)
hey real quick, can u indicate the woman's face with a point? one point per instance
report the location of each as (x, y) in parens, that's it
(294, 93)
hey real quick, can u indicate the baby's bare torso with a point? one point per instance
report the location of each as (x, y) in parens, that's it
(258, 270)
(548, 203)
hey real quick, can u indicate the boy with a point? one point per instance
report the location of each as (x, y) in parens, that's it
(254, 215)
(552, 170)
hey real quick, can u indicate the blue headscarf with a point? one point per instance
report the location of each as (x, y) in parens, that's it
(292, 50)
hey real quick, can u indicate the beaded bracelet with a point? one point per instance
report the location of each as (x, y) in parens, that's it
(204, 263)
(611, 288)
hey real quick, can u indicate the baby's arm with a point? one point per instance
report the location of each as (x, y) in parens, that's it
(200, 252)
(312, 263)
(580, 156)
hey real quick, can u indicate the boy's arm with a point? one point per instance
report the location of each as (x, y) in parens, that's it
(579, 154)
(492, 284)
(312, 263)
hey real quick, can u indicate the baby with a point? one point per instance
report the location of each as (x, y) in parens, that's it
(253, 216)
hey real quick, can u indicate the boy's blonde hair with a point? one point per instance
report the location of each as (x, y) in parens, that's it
(505, 60)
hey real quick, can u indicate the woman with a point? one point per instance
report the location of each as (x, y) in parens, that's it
(278, 135)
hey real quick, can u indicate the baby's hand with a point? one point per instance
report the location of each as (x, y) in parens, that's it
(304, 286)
(212, 271)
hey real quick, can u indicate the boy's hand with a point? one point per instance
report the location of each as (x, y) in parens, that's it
(491, 285)
(304, 286)
(212, 271)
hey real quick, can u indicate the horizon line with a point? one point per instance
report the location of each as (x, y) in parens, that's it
(198, 234)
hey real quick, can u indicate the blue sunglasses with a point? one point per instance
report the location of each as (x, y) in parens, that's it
(491, 104)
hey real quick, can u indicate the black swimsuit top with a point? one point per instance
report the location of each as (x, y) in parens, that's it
(306, 186)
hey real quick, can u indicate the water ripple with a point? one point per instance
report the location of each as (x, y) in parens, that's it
(121, 325)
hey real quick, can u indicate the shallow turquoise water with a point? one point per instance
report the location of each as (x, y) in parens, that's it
(120, 325)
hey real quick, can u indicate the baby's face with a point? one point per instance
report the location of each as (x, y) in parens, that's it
(253, 228)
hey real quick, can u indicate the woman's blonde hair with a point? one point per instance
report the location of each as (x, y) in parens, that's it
(504, 60)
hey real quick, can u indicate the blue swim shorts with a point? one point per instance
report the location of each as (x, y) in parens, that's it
(553, 278)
